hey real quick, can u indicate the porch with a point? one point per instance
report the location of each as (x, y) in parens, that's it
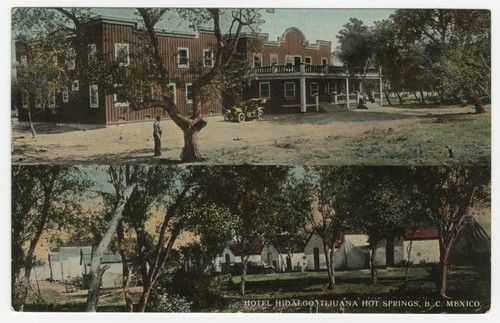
(308, 86)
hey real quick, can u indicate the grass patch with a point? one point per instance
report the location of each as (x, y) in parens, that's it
(442, 140)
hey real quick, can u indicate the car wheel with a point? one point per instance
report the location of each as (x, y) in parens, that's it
(260, 114)
(227, 117)
(241, 117)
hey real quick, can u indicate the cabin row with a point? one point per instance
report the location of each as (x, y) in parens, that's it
(352, 251)
(291, 73)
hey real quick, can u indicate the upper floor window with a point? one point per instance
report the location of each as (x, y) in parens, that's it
(324, 61)
(183, 57)
(274, 59)
(257, 60)
(289, 60)
(208, 58)
(189, 93)
(70, 59)
(122, 54)
(92, 50)
(75, 86)
(307, 60)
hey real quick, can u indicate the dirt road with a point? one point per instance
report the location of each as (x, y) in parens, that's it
(352, 137)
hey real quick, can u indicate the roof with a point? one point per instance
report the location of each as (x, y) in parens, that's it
(251, 249)
(421, 234)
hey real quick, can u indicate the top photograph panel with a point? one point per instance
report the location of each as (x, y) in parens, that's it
(251, 86)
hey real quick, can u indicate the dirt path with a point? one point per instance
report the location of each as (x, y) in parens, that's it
(294, 139)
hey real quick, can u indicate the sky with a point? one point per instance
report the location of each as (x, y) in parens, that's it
(316, 24)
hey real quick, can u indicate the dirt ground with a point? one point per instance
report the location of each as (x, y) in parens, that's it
(376, 136)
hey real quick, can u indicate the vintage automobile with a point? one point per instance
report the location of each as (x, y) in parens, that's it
(251, 109)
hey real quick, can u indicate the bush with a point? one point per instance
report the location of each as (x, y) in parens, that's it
(162, 302)
(201, 289)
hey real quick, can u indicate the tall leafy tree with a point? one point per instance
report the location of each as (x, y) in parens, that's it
(355, 46)
(249, 193)
(125, 181)
(42, 197)
(225, 49)
(448, 194)
(330, 212)
(48, 39)
(457, 45)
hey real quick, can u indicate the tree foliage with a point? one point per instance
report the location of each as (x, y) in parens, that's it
(43, 199)
(446, 51)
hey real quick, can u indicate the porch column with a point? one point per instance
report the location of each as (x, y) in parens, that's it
(347, 91)
(303, 107)
(380, 90)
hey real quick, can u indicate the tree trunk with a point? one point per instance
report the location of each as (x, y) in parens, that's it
(478, 103)
(146, 292)
(329, 262)
(95, 288)
(387, 97)
(190, 152)
(41, 226)
(125, 268)
(33, 133)
(443, 270)
(103, 246)
(422, 95)
(373, 266)
(399, 98)
(408, 263)
(244, 262)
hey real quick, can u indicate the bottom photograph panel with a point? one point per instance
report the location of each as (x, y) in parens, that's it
(256, 239)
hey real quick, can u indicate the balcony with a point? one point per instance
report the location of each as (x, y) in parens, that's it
(308, 70)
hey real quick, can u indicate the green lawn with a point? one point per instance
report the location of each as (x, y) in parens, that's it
(468, 288)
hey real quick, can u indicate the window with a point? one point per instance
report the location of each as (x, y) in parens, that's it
(307, 60)
(265, 90)
(189, 93)
(324, 61)
(75, 86)
(313, 88)
(119, 97)
(94, 96)
(274, 59)
(65, 95)
(289, 90)
(92, 48)
(122, 54)
(331, 87)
(208, 58)
(183, 57)
(289, 60)
(70, 59)
(257, 60)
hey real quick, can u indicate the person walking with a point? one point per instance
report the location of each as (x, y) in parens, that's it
(157, 131)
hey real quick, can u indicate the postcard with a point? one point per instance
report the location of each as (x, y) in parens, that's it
(218, 160)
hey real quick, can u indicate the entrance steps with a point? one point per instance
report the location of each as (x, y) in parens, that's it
(332, 108)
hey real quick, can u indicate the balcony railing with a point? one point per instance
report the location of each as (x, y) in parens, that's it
(314, 69)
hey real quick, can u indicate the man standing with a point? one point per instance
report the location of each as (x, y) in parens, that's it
(157, 131)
